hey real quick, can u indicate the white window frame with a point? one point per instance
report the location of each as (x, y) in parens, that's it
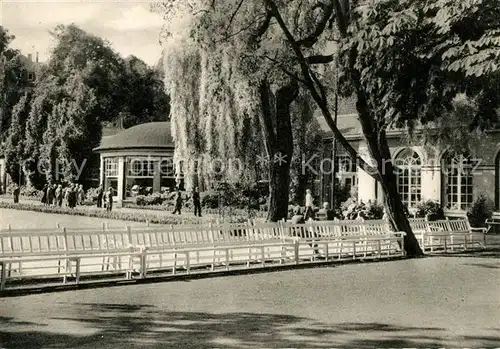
(458, 169)
(409, 177)
(111, 167)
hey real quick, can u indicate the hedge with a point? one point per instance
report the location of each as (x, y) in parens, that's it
(102, 213)
(163, 207)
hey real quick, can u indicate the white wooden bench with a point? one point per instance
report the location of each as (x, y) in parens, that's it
(448, 234)
(369, 235)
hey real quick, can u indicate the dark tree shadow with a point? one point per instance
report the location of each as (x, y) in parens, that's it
(144, 326)
(484, 265)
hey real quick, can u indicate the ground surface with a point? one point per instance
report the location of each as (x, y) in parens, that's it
(32, 220)
(431, 302)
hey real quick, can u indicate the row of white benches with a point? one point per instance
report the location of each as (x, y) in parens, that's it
(22, 242)
(146, 262)
(69, 254)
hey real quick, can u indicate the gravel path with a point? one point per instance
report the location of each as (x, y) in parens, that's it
(31, 220)
(431, 302)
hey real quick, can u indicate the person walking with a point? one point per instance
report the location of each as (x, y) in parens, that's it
(50, 194)
(59, 195)
(80, 195)
(109, 199)
(178, 202)
(100, 194)
(66, 195)
(309, 205)
(44, 194)
(196, 202)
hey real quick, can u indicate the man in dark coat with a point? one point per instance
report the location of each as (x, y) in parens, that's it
(16, 194)
(196, 202)
(44, 194)
(72, 196)
(100, 194)
(50, 194)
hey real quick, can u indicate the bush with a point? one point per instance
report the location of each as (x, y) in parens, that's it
(152, 199)
(26, 191)
(481, 210)
(351, 209)
(91, 196)
(351, 202)
(210, 201)
(430, 209)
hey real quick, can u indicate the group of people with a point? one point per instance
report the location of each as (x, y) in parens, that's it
(55, 195)
(105, 198)
(178, 201)
(324, 214)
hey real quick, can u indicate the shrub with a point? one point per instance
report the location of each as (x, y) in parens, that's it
(430, 209)
(91, 196)
(366, 211)
(152, 199)
(210, 201)
(26, 191)
(349, 204)
(481, 210)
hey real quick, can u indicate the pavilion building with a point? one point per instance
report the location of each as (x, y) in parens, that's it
(138, 161)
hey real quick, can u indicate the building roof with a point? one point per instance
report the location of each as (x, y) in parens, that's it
(151, 135)
(348, 125)
(347, 119)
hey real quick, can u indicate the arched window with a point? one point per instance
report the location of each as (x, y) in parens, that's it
(457, 175)
(408, 171)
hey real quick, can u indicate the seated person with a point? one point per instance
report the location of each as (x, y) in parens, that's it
(297, 218)
(325, 214)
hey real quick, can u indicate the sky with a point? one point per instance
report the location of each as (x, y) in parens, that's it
(128, 25)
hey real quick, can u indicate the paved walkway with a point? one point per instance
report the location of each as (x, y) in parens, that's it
(432, 302)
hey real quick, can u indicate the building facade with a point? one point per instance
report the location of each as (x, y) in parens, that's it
(424, 171)
(138, 161)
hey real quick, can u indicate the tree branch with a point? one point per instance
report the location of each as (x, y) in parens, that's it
(320, 28)
(286, 71)
(234, 15)
(263, 28)
(320, 59)
(322, 104)
(228, 36)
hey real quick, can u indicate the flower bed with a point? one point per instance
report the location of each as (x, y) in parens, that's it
(163, 207)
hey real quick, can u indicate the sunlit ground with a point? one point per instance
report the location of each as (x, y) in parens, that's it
(431, 302)
(33, 220)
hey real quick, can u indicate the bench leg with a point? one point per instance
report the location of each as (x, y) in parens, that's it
(3, 276)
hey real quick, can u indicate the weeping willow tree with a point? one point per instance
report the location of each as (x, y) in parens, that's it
(212, 115)
(232, 88)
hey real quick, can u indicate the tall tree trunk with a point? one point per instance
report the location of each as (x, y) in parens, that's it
(377, 142)
(278, 138)
(379, 150)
